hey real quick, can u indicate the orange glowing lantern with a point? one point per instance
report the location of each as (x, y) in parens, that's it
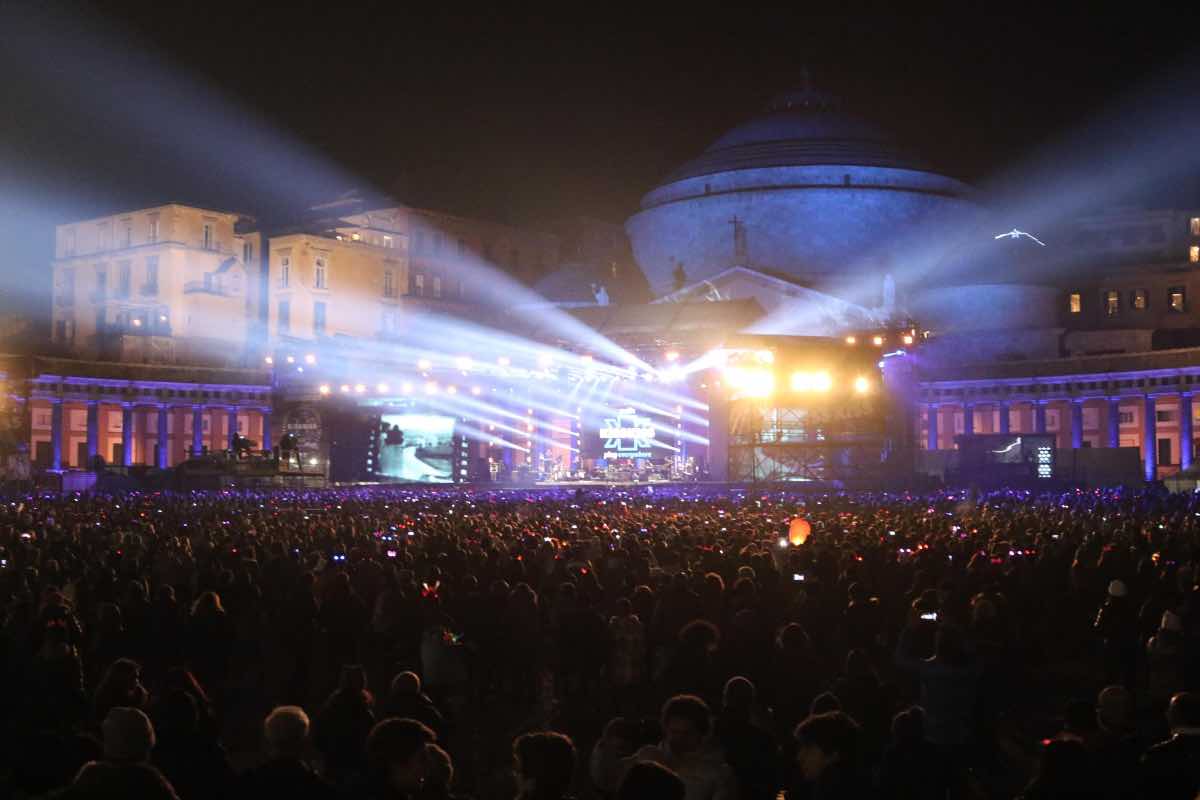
(798, 531)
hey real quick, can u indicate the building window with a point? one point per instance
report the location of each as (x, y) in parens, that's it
(1112, 303)
(126, 233)
(206, 238)
(1164, 416)
(320, 279)
(124, 278)
(151, 287)
(285, 316)
(419, 284)
(1195, 226)
(104, 235)
(69, 242)
(1194, 254)
(387, 242)
(66, 295)
(437, 286)
(1176, 299)
(247, 252)
(1074, 302)
(389, 286)
(101, 282)
(1137, 299)
(319, 318)
(152, 234)
(1125, 417)
(285, 271)
(420, 243)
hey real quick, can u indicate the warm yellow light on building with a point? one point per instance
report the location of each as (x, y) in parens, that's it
(359, 388)
(819, 381)
(877, 341)
(851, 340)
(750, 382)
(324, 388)
(908, 339)
(672, 355)
(765, 357)
(382, 388)
(345, 387)
(310, 359)
(862, 385)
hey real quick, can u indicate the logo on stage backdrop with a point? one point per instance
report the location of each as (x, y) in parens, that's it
(627, 435)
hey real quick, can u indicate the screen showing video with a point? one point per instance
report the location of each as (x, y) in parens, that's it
(416, 448)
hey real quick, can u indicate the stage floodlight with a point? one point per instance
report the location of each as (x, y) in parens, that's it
(672, 355)
(359, 388)
(851, 340)
(503, 361)
(406, 387)
(463, 363)
(475, 390)
(269, 360)
(765, 357)
(877, 341)
(908, 339)
(310, 359)
(431, 388)
(862, 385)
(324, 388)
(291, 360)
(382, 388)
(451, 390)
(544, 361)
(751, 382)
(345, 387)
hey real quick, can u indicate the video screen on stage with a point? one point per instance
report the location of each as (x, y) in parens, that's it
(416, 448)
(628, 433)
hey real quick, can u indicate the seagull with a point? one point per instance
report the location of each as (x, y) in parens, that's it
(1016, 234)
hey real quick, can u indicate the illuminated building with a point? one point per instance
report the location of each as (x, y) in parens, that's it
(805, 190)
(169, 284)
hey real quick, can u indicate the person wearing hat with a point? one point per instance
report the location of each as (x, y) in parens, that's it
(125, 770)
(1116, 625)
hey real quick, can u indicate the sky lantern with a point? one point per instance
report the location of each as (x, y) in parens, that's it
(798, 531)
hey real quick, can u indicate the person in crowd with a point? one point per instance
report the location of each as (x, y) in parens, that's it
(194, 762)
(912, 768)
(649, 780)
(687, 749)
(405, 699)
(1064, 771)
(607, 763)
(125, 770)
(1171, 769)
(749, 747)
(545, 766)
(120, 686)
(827, 752)
(440, 775)
(1115, 745)
(1116, 626)
(344, 723)
(286, 772)
(397, 759)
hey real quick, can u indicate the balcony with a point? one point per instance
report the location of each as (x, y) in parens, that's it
(206, 287)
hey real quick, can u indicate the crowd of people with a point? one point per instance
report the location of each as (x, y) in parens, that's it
(610, 643)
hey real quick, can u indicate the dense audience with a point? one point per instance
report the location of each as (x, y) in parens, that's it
(610, 643)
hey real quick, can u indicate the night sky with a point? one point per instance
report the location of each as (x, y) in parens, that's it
(507, 114)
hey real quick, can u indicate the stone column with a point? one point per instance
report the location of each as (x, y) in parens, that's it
(1185, 430)
(931, 420)
(1114, 422)
(1076, 424)
(968, 418)
(266, 429)
(93, 432)
(197, 430)
(126, 434)
(1150, 440)
(56, 437)
(164, 450)
(231, 427)
(1004, 422)
(1039, 416)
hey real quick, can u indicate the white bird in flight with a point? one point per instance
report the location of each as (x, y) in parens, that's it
(1016, 234)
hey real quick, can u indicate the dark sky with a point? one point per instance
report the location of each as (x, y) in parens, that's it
(511, 114)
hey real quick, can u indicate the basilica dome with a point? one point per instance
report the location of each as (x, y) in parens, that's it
(805, 189)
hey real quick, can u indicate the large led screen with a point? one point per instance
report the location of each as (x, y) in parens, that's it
(416, 448)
